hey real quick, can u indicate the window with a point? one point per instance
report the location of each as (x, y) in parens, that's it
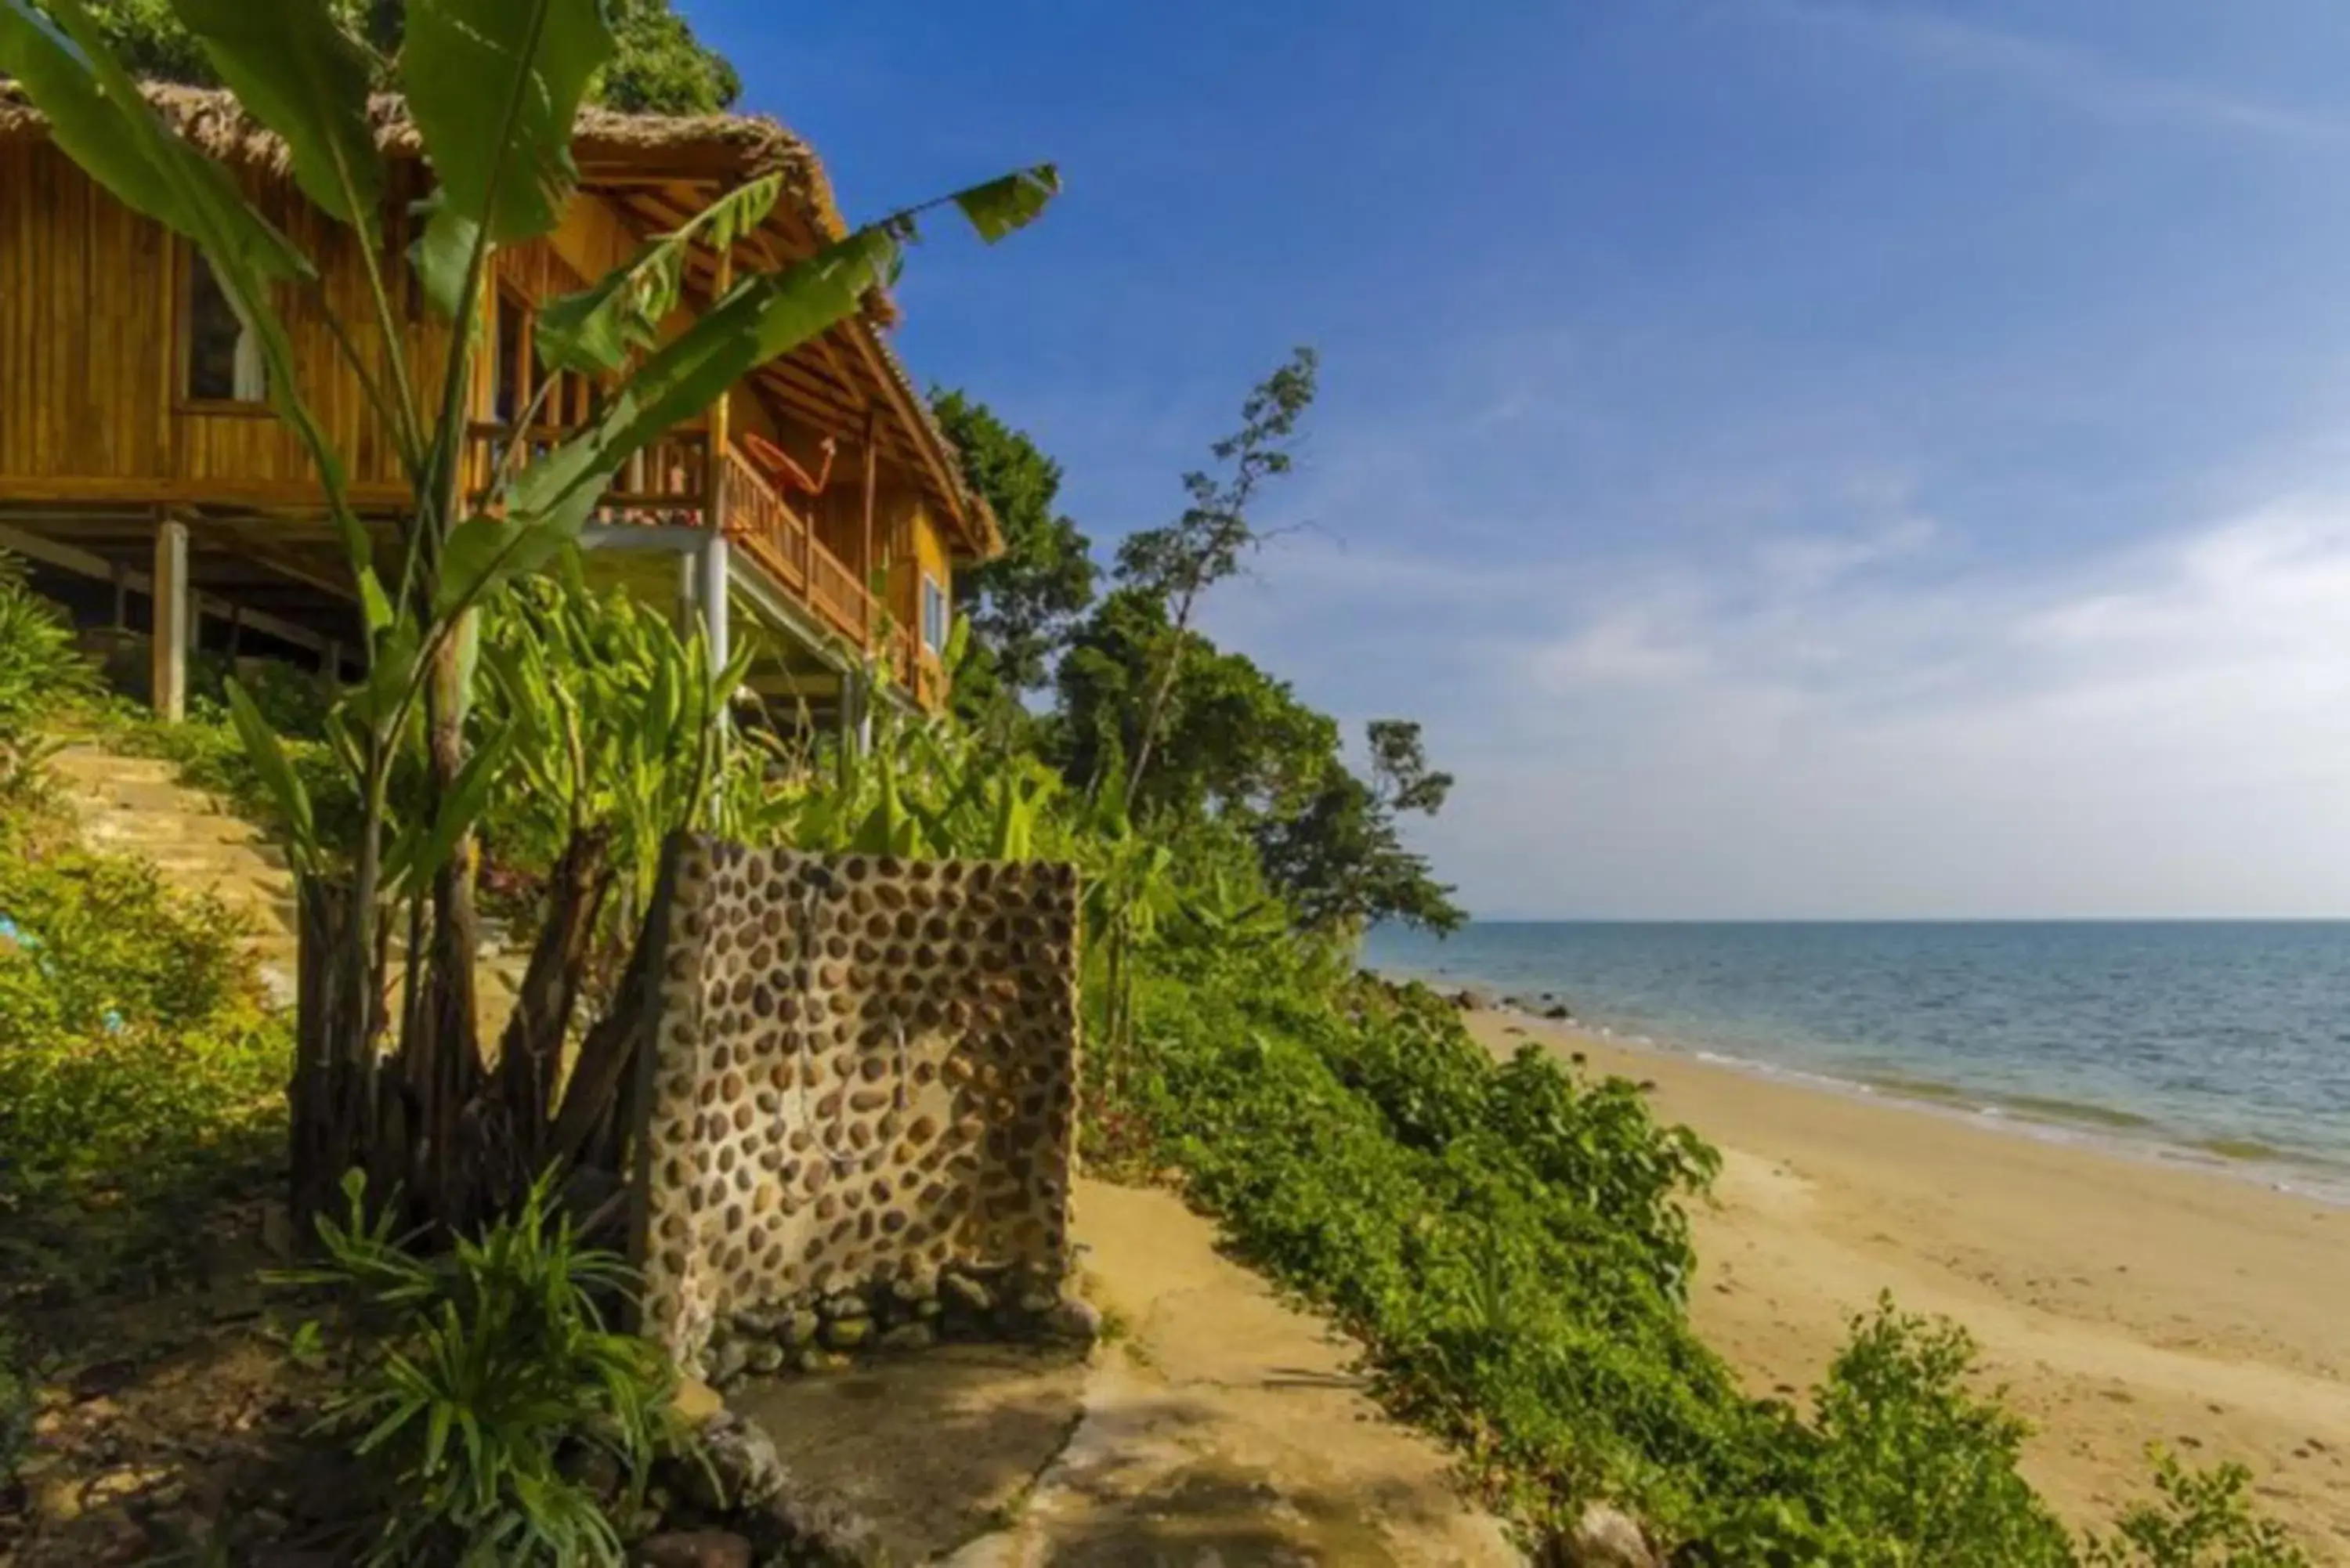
(510, 383)
(224, 363)
(935, 618)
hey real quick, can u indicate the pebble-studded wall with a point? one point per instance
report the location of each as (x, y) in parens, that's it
(865, 1076)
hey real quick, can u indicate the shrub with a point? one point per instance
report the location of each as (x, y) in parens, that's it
(486, 1378)
(2201, 1520)
(40, 674)
(138, 1067)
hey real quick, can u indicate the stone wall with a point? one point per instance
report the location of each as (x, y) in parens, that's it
(863, 1098)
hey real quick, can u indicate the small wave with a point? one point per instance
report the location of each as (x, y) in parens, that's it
(2247, 1150)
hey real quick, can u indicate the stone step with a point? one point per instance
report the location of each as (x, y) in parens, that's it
(89, 765)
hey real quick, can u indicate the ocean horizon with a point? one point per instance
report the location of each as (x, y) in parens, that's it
(2223, 1041)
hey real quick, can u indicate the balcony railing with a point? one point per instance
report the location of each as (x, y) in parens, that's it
(667, 482)
(673, 481)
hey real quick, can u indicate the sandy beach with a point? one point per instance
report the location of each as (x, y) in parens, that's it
(2124, 1301)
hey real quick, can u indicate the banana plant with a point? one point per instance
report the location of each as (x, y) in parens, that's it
(493, 87)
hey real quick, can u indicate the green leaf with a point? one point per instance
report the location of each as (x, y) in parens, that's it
(595, 329)
(494, 87)
(442, 253)
(420, 857)
(1005, 206)
(294, 69)
(277, 775)
(482, 553)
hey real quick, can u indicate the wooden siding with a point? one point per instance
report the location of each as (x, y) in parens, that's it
(92, 336)
(93, 307)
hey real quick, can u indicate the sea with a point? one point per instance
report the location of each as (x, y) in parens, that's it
(2224, 1044)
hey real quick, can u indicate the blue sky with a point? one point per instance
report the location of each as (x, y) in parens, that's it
(1799, 458)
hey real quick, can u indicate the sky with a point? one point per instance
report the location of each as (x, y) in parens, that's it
(1798, 458)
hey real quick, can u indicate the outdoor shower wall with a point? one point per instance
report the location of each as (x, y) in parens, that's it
(865, 1078)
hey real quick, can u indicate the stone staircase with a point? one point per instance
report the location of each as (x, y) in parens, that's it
(136, 806)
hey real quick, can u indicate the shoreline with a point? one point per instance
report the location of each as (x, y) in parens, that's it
(2119, 1133)
(2124, 1299)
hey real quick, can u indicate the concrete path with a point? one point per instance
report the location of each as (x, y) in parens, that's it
(1223, 1428)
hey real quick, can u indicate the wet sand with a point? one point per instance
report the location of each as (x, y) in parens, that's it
(2124, 1301)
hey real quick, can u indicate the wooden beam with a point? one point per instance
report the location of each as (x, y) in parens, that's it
(173, 624)
(81, 563)
(722, 437)
(872, 486)
(949, 494)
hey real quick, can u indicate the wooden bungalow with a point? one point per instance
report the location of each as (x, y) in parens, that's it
(818, 499)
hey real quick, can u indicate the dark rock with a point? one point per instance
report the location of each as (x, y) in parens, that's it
(799, 1529)
(766, 1358)
(847, 1303)
(962, 1292)
(908, 1336)
(742, 1463)
(727, 1362)
(1558, 1011)
(1467, 999)
(847, 1333)
(801, 1328)
(693, 1548)
(100, 1378)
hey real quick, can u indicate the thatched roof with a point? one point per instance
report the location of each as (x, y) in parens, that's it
(725, 149)
(611, 148)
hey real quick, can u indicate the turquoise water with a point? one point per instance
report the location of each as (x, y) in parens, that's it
(2225, 1041)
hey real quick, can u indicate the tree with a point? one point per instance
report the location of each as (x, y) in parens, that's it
(1174, 564)
(1233, 742)
(1341, 861)
(1022, 605)
(657, 65)
(493, 87)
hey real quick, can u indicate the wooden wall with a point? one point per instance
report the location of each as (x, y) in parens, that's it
(91, 374)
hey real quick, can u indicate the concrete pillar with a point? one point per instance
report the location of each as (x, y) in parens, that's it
(688, 584)
(175, 621)
(711, 597)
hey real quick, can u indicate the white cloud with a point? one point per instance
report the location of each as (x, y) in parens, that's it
(2162, 731)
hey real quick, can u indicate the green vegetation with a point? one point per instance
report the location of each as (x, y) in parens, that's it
(484, 1387)
(1510, 1244)
(139, 1068)
(656, 63)
(40, 677)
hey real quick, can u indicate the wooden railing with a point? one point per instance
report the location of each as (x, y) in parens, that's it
(760, 520)
(757, 517)
(673, 481)
(838, 597)
(668, 481)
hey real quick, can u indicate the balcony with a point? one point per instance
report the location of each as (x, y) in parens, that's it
(674, 483)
